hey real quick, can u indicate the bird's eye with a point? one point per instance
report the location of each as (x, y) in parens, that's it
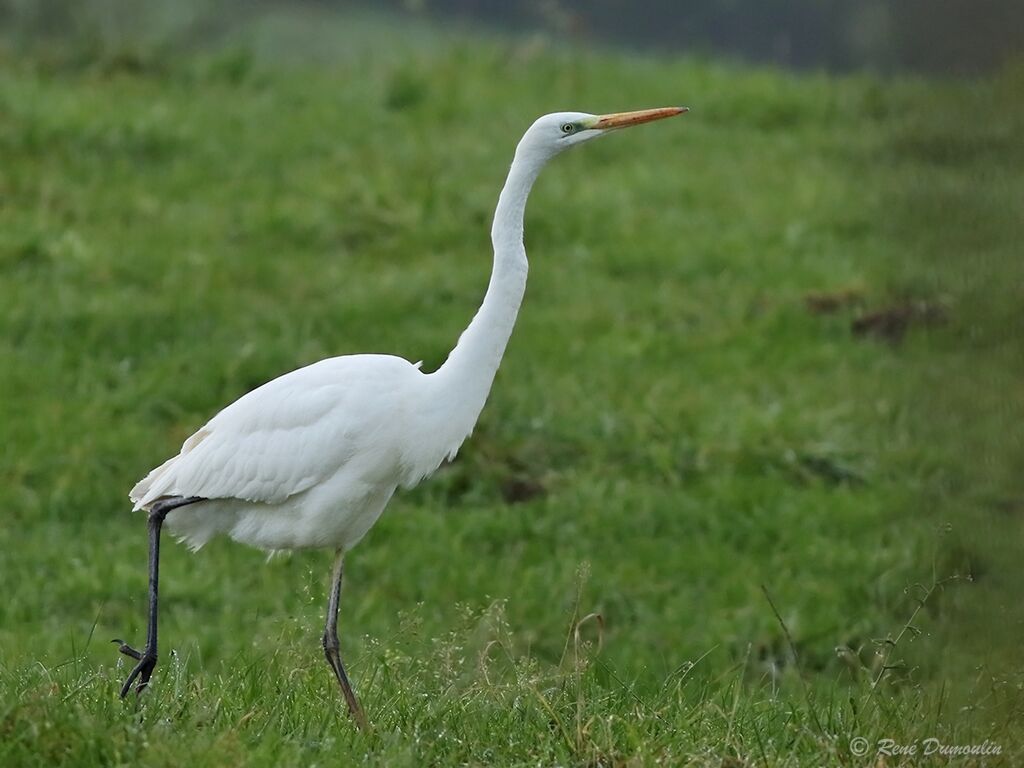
(568, 128)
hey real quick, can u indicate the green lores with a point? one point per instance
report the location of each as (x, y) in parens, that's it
(684, 414)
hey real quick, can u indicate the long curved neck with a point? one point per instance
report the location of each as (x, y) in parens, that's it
(469, 371)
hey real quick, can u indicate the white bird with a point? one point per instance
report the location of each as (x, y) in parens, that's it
(311, 458)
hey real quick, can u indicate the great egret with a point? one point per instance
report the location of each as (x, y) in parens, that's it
(311, 458)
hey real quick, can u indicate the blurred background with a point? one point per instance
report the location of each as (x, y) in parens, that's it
(938, 37)
(762, 413)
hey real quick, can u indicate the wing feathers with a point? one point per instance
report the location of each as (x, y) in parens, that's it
(284, 437)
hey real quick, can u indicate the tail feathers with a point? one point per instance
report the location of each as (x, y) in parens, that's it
(141, 494)
(157, 483)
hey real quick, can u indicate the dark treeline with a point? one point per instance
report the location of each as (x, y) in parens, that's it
(934, 36)
(929, 36)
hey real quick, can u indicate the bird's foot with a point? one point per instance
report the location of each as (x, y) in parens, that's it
(142, 671)
(126, 649)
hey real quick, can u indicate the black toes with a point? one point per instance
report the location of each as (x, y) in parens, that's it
(143, 671)
(127, 650)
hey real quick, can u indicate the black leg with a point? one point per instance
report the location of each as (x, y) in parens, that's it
(331, 645)
(146, 658)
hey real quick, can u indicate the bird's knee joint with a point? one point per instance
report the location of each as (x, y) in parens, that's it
(160, 509)
(330, 643)
(158, 512)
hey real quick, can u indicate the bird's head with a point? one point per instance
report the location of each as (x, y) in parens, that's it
(558, 131)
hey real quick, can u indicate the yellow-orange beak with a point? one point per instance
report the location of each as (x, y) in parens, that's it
(626, 119)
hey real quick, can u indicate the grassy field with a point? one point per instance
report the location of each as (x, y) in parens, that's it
(765, 396)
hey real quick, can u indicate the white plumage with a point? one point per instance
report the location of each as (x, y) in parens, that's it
(308, 459)
(311, 458)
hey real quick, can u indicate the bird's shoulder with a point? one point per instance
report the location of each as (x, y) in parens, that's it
(308, 394)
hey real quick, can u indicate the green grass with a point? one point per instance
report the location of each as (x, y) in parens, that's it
(672, 435)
